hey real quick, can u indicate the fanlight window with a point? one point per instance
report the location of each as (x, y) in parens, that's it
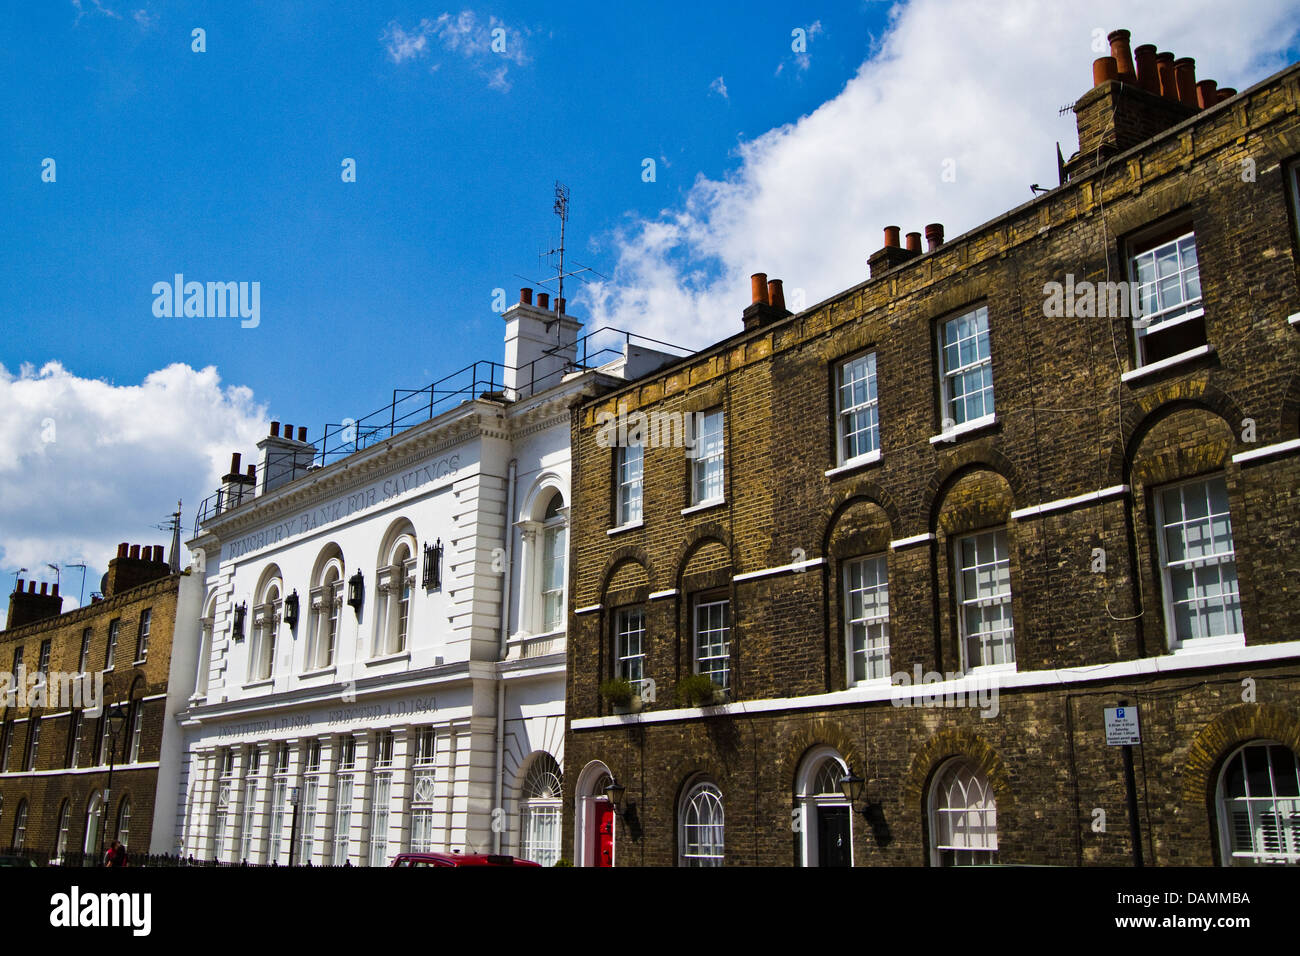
(827, 780)
(702, 827)
(542, 792)
(963, 817)
(1259, 806)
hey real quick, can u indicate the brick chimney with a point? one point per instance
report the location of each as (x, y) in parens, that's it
(1133, 99)
(26, 606)
(133, 567)
(768, 303)
(893, 254)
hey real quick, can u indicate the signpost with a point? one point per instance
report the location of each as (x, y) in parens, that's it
(1122, 731)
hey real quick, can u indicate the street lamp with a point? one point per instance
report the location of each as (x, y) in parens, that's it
(851, 785)
(116, 718)
(293, 827)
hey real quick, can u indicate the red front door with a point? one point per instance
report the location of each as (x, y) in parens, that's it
(604, 818)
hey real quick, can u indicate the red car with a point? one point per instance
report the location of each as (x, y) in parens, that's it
(459, 859)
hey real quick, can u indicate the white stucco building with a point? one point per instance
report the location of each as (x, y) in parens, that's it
(384, 622)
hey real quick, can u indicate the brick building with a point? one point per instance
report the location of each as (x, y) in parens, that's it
(930, 528)
(56, 747)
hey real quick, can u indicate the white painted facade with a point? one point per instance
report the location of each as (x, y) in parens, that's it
(397, 736)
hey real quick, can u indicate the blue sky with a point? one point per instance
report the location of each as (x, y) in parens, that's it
(225, 166)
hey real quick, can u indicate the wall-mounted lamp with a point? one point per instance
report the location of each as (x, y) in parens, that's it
(291, 609)
(356, 591)
(853, 786)
(432, 577)
(237, 627)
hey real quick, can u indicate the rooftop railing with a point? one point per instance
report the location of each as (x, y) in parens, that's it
(411, 407)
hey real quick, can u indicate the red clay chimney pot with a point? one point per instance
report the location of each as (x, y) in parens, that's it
(275, 429)
(913, 242)
(31, 587)
(1104, 70)
(1206, 93)
(891, 237)
(1147, 76)
(43, 587)
(776, 294)
(559, 305)
(526, 296)
(543, 300)
(54, 591)
(234, 462)
(934, 236)
(1185, 78)
(1119, 49)
(1165, 72)
(302, 433)
(1225, 93)
(135, 551)
(758, 287)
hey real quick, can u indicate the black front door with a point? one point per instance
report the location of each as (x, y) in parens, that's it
(833, 848)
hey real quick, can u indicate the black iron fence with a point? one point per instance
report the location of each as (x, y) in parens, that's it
(80, 859)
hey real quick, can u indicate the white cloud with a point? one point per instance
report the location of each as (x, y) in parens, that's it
(976, 81)
(89, 463)
(144, 19)
(719, 87)
(99, 8)
(490, 46)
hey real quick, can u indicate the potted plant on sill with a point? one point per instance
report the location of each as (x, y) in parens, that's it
(618, 693)
(698, 690)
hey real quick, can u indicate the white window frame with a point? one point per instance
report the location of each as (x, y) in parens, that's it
(949, 376)
(381, 791)
(65, 822)
(142, 635)
(980, 600)
(698, 660)
(1164, 316)
(626, 664)
(124, 822)
(137, 732)
(708, 456)
(541, 808)
(850, 413)
(33, 750)
(252, 764)
(554, 538)
(629, 479)
(1283, 810)
(114, 629)
(868, 624)
(20, 825)
(692, 848)
(75, 733)
(423, 788)
(326, 602)
(279, 801)
(966, 851)
(396, 587)
(222, 805)
(1176, 641)
(344, 789)
(266, 633)
(84, 660)
(308, 797)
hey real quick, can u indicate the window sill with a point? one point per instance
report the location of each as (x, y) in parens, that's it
(1204, 645)
(853, 464)
(255, 684)
(317, 672)
(388, 658)
(965, 428)
(1179, 359)
(1159, 325)
(630, 526)
(704, 505)
(1294, 319)
(987, 669)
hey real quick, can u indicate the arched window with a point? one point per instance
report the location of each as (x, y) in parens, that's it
(540, 824)
(61, 841)
(396, 581)
(266, 630)
(94, 817)
(554, 551)
(701, 836)
(207, 626)
(826, 819)
(20, 825)
(1259, 806)
(963, 816)
(124, 822)
(326, 600)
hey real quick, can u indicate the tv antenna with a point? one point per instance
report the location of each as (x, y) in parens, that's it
(173, 524)
(81, 598)
(561, 209)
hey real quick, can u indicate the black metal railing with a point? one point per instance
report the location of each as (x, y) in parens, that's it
(411, 407)
(77, 859)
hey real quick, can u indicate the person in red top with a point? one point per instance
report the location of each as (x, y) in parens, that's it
(116, 855)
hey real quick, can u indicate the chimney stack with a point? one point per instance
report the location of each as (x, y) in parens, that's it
(768, 303)
(28, 606)
(892, 254)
